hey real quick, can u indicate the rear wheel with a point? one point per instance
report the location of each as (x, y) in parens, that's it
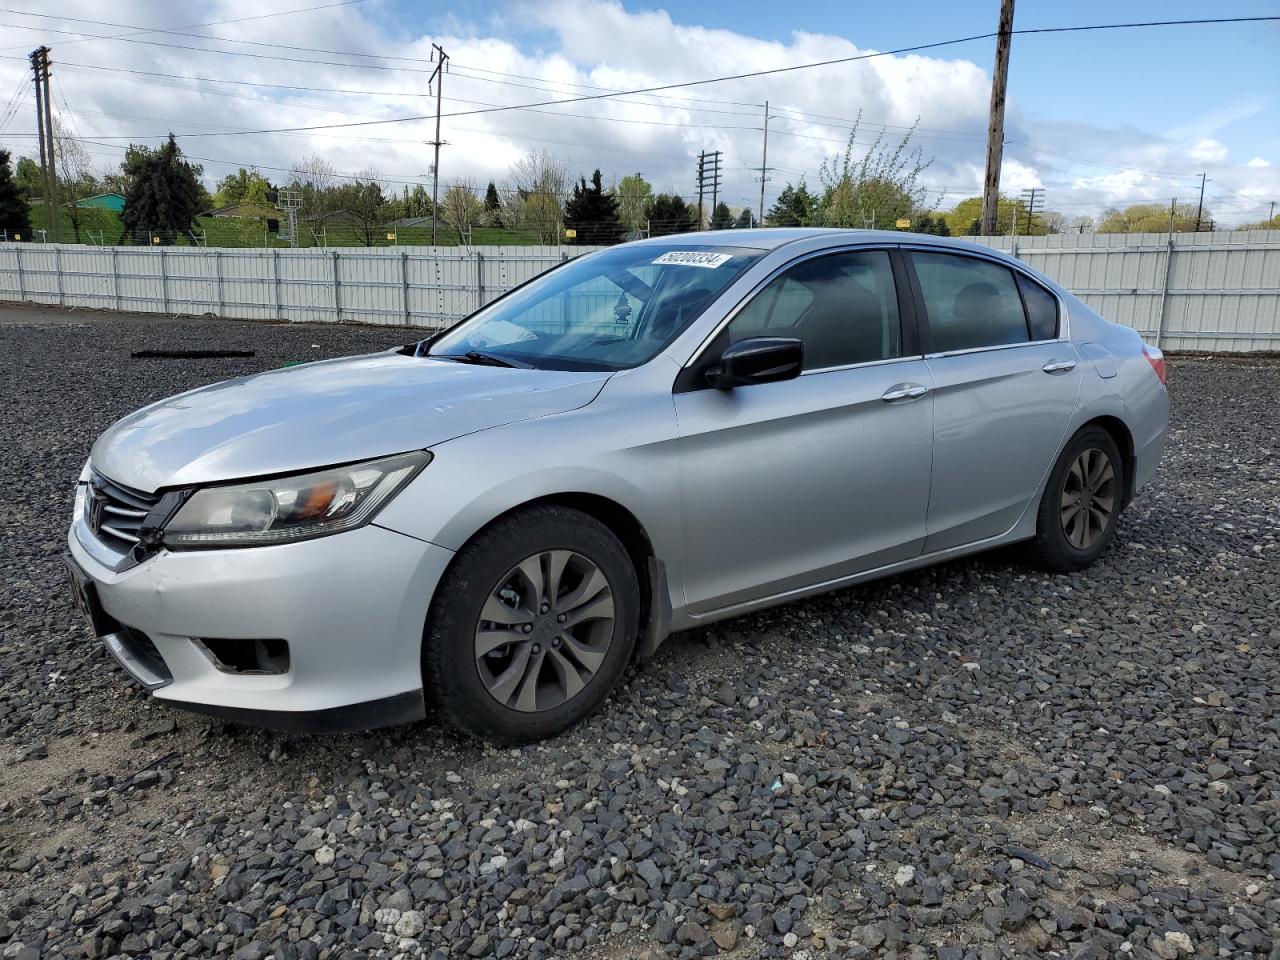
(1081, 503)
(532, 625)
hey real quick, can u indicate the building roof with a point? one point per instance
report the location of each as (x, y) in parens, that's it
(112, 201)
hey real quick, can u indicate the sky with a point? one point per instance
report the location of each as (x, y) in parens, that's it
(1096, 119)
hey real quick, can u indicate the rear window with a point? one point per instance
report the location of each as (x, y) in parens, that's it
(1042, 309)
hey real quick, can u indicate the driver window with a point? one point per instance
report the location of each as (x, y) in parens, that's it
(844, 307)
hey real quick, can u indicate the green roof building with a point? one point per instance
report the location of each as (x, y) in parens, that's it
(108, 201)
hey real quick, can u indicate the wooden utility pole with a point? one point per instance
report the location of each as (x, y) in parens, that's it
(44, 132)
(437, 76)
(995, 124)
(1200, 205)
(764, 161)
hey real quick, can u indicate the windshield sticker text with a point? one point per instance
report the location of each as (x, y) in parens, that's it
(694, 258)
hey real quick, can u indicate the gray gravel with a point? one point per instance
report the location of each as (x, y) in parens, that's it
(972, 761)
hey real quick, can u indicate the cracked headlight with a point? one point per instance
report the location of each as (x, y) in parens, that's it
(297, 507)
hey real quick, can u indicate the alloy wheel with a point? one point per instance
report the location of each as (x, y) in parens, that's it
(544, 631)
(1088, 498)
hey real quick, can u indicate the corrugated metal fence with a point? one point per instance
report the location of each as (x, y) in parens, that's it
(1207, 291)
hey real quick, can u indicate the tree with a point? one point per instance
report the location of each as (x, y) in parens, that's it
(29, 178)
(492, 206)
(635, 198)
(164, 195)
(1272, 224)
(932, 224)
(592, 213)
(965, 219)
(363, 206)
(721, 218)
(1082, 224)
(795, 207)
(460, 208)
(15, 213)
(539, 182)
(670, 214)
(315, 178)
(877, 188)
(234, 188)
(1151, 218)
(746, 219)
(74, 168)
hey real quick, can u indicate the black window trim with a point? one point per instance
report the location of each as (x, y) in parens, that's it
(922, 316)
(692, 375)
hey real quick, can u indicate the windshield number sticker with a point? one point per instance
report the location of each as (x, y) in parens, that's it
(694, 258)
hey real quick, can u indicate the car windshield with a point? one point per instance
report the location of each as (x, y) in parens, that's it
(605, 311)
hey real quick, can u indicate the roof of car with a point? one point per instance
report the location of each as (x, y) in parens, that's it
(770, 238)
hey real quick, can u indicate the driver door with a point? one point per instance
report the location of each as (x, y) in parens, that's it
(790, 484)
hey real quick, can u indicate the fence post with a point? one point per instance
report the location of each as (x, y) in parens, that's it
(164, 283)
(404, 285)
(275, 282)
(57, 273)
(1164, 290)
(479, 279)
(217, 273)
(22, 287)
(337, 288)
(115, 278)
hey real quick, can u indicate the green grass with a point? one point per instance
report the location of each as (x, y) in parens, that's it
(229, 232)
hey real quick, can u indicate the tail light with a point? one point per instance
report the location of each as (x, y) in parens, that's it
(1155, 357)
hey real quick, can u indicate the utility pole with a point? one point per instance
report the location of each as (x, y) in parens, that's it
(1200, 205)
(1031, 197)
(702, 165)
(764, 160)
(995, 123)
(708, 176)
(437, 76)
(44, 126)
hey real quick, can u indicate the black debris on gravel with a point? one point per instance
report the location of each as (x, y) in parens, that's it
(974, 761)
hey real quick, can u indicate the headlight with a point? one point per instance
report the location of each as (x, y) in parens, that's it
(298, 507)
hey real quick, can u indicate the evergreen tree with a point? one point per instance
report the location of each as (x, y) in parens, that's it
(721, 218)
(592, 213)
(164, 195)
(492, 206)
(670, 214)
(934, 224)
(795, 207)
(15, 215)
(746, 219)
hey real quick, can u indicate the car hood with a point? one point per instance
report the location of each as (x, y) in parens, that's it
(334, 411)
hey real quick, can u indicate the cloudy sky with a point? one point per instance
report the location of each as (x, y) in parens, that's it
(1095, 118)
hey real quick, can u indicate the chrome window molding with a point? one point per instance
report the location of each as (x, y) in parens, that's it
(913, 358)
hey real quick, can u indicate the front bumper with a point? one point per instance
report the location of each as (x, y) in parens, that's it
(351, 608)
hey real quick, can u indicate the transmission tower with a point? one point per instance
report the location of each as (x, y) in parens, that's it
(708, 178)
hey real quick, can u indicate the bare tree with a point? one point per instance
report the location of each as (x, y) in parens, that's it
(460, 208)
(316, 178)
(541, 182)
(76, 179)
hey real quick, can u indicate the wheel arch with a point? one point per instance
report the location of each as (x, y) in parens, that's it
(651, 572)
(1121, 434)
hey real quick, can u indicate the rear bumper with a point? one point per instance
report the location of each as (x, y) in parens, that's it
(350, 607)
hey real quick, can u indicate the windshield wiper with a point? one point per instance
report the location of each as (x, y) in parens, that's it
(481, 359)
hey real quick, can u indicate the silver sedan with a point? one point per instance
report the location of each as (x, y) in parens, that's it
(496, 520)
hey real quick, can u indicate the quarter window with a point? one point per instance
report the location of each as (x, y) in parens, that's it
(844, 307)
(970, 303)
(1042, 309)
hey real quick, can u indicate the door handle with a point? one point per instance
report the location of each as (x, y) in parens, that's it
(1059, 366)
(904, 391)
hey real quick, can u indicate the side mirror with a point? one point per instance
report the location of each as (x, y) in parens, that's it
(757, 360)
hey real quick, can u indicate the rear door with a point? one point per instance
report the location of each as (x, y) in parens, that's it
(784, 485)
(1005, 387)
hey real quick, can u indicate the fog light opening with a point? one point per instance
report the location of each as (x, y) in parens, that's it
(258, 657)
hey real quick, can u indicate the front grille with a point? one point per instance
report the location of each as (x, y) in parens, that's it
(115, 512)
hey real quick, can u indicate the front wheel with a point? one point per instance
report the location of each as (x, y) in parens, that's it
(531, 626)
(1081, 503)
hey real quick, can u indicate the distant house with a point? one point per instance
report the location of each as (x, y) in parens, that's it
(106, 201)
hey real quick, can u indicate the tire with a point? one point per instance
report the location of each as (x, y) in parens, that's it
(478, 679)
(1080, 477)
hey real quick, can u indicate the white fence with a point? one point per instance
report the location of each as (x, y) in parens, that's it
(1207, 291)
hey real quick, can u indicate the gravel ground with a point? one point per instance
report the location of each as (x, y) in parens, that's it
(971, 761)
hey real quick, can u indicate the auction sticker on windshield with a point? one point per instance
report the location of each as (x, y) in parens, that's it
(695, 258)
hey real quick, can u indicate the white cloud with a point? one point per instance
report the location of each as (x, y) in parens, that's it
(579, 47)
(1208, 150)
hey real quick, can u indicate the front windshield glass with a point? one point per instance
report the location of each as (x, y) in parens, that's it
(606, 311)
